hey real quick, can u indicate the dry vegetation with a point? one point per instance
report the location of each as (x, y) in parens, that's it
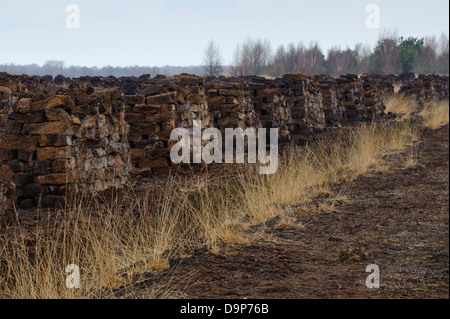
(435, 114)
(117, 239)
(400, 104)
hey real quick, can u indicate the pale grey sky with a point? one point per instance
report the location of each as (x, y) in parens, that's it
(175, 32)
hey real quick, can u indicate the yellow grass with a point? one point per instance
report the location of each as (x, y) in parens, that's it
(400, 104)
(397, 88)
(435, 114)
(116, 240)
(411, 159)
(307, 173)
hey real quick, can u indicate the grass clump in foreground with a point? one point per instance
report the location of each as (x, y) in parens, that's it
(400, 104)
(435, 114)
(118, 240)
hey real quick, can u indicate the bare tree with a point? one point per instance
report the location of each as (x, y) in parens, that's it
(53, 67)
(252, 58)
(292, 58)
(243, 58)
(386, 57)
(310, 60)
(363, 55)
(260, 52)
(278, 62)
(427, 57)
(236, 62)
(212, 60)
(443, 54)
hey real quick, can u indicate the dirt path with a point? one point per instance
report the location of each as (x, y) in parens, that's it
(398, 220)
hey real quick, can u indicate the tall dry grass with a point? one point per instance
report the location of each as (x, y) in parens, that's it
(400, 104)
(435, 114)
(110, 241)
(117, 240)
(305, 173)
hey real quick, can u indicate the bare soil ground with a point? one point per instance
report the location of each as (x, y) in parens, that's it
(397, 219)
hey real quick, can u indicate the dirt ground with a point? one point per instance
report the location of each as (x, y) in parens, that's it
(397, 219)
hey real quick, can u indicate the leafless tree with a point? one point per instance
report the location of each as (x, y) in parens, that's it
(252, 58)
(310, 60)
(341, 62)
(363, 55)
(236, 62)
(443, 54)
(390, 55)
(246, 58)
(212, 60)
(427, 57)
(260, 51)
(278, 63)
(53, 67)
(386, 56)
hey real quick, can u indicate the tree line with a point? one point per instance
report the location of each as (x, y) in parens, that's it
(391, 55)
(54, 68)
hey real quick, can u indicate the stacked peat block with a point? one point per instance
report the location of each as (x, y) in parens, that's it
(66, 143)
(6, 98)
(373, 90)
(386, 86)
(7, 189)
(66, 135)
(5, 105)
(427, 87)
(350, 97)
(304, 100)
(394, 79)
(434, 87)
(441, 87)
(270, 102)
(158, 107)
(230, 105)
(421, 89)
(403, 78)
(262, 103)
(332, 109)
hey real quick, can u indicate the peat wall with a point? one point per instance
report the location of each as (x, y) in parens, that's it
(61, 135)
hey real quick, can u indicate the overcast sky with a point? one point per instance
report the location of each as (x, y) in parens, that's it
(175, 32)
